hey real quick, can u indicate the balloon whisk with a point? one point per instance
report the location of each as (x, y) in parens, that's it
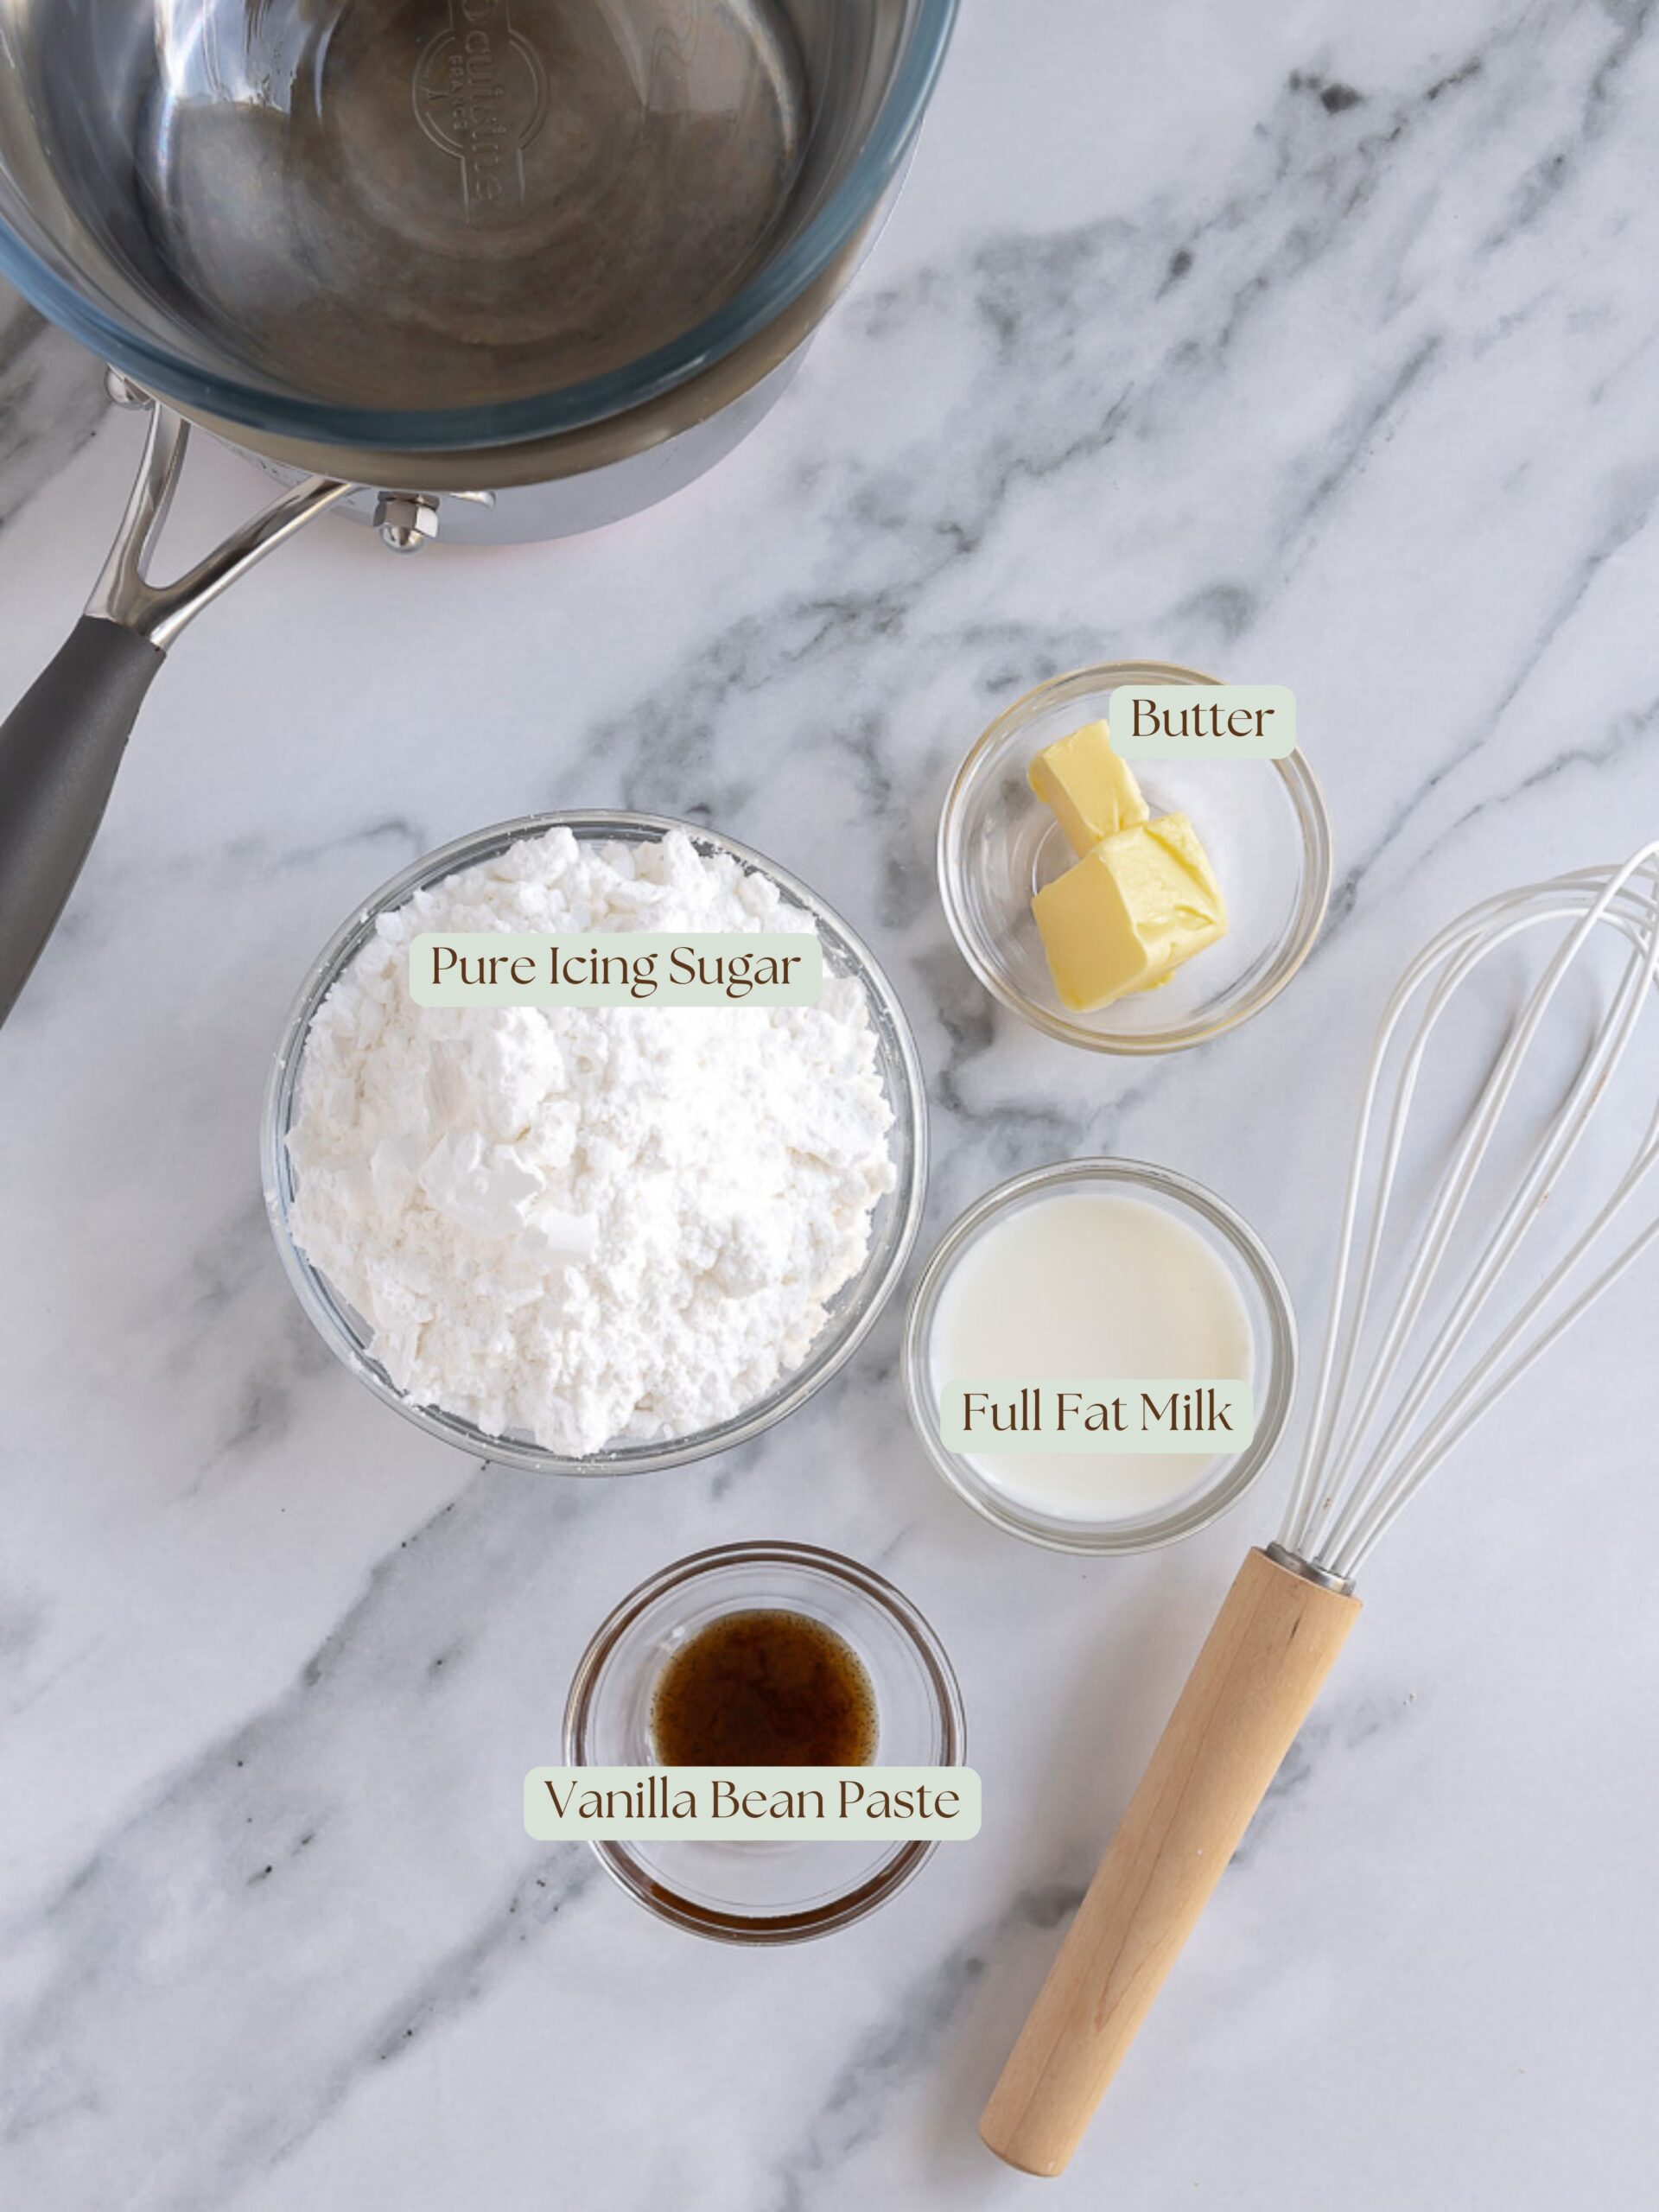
(1409, 1370)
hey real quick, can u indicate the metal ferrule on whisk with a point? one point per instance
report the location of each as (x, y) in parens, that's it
(1296, 1565)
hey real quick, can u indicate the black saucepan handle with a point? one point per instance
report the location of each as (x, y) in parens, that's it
(59, 754)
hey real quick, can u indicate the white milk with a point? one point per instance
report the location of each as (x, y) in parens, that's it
(1089, 1286)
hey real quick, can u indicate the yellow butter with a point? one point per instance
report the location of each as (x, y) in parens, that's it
(1126, 915)
(1092, 792)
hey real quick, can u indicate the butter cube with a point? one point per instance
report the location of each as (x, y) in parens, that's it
(1126, 915)
(1093, 792)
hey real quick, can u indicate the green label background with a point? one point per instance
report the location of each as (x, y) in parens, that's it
(1277, 739)
(1236, 1399)
(805, 988)
(542, 1821)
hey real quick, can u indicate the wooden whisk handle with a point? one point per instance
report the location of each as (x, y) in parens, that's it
(1261, 1669)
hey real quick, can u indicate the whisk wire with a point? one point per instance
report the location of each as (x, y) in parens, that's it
(1549, 1158)
(1322, 1456)
(1349, 1490)
(1342, 1339)
(1347, 1563)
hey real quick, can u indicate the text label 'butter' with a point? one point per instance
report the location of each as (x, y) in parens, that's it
(1201, 721)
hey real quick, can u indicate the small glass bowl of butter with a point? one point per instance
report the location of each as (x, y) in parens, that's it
(1263, 824)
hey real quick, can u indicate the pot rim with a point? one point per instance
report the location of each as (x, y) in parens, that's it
(766, 297)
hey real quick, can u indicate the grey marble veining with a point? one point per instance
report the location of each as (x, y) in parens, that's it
(52, 399)
(1311, 346)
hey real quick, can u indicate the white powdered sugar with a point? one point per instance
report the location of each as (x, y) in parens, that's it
(588, 1225)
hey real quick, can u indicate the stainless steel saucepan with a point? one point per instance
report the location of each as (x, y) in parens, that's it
(504, 269)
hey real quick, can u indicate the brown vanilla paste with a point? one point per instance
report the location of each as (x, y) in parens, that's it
(765, 1687)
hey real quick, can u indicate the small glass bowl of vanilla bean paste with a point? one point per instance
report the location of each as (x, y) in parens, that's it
(767, 1655)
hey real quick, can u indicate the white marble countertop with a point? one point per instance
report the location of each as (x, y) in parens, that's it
(1314, 343)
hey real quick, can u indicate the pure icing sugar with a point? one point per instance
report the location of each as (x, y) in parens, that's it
(588, 1225)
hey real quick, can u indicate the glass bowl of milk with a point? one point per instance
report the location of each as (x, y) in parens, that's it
(1100, 1356)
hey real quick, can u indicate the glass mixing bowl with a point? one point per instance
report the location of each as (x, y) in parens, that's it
(763, 1892)
(1273, 1336)
(852, 1312)
(1263, 824)
(418, 225)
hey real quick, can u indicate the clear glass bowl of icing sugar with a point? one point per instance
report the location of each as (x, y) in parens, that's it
(1105, 1270)
(853, 1310)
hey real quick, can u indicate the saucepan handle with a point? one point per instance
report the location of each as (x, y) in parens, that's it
(59, 753)
(60, 749)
